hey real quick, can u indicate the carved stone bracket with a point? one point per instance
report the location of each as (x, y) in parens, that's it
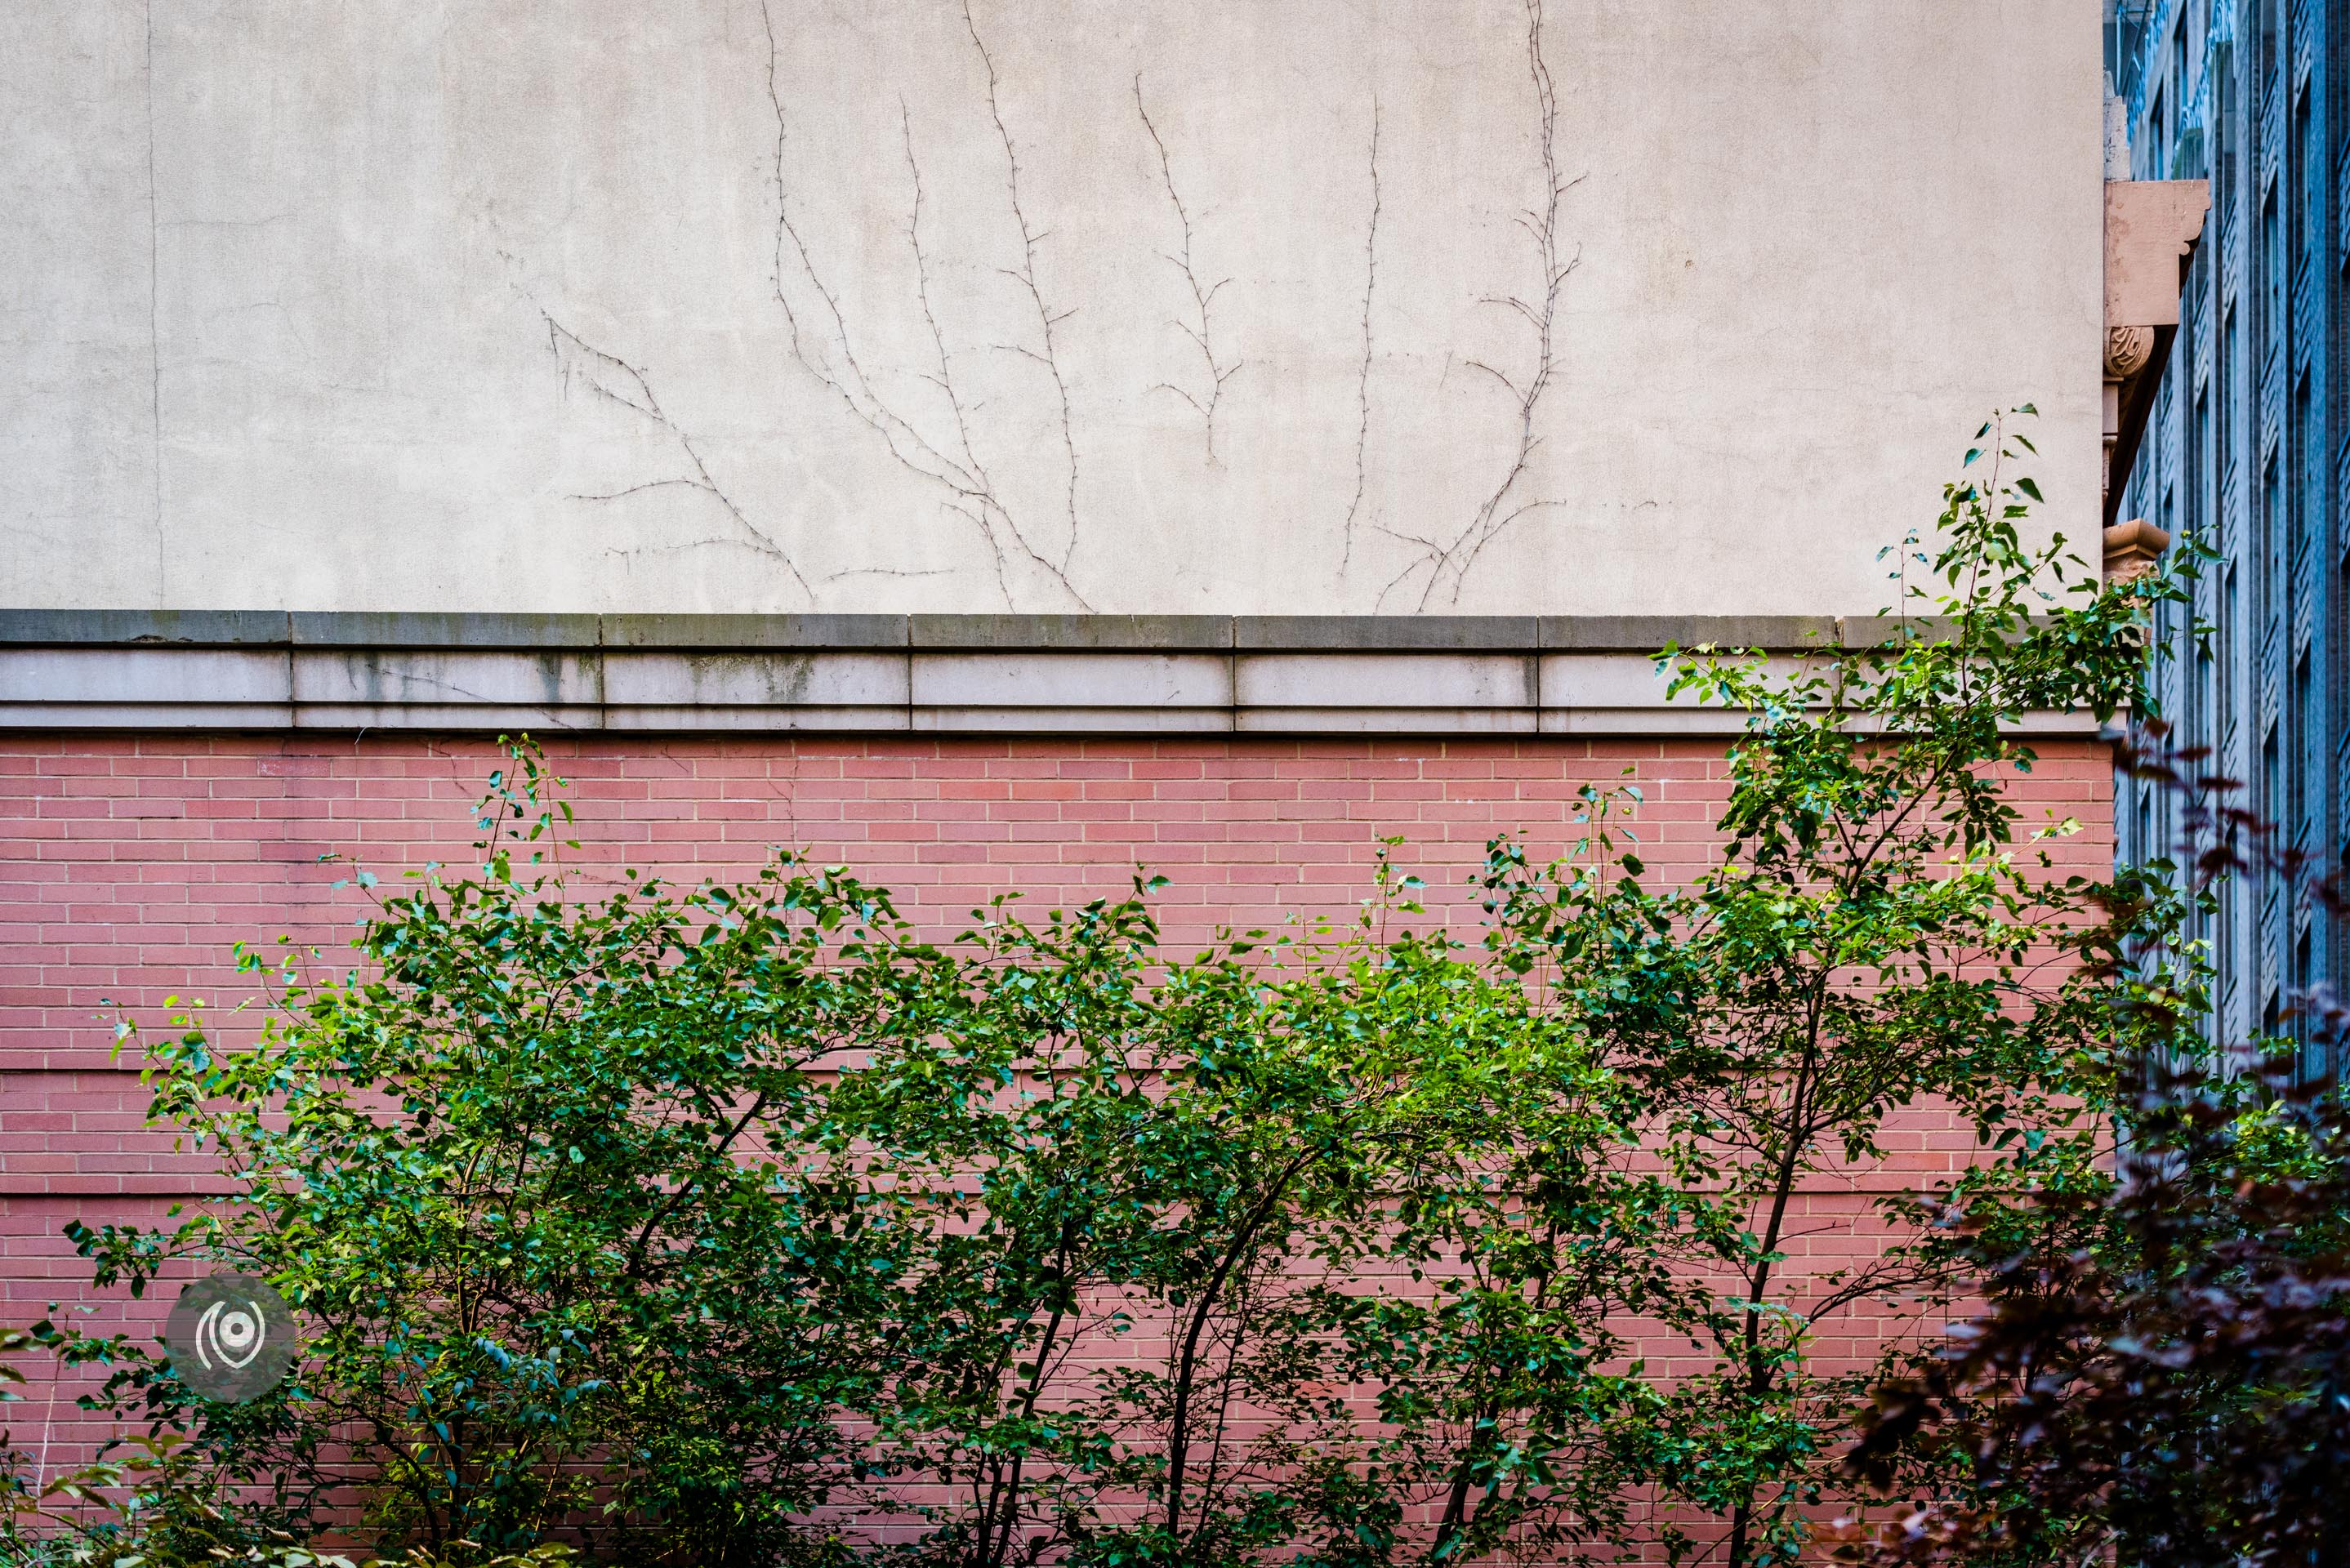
(2132, 548)
(2129, 350)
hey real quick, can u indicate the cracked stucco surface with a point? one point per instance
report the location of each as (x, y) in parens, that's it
(1611, 307)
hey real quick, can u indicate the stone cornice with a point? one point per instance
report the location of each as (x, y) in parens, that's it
(733, 633)
(348, 671)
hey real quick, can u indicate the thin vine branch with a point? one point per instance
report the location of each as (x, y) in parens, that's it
(1201, 330)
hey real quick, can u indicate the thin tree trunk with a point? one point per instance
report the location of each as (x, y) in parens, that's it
(1179, 1422)
(995, 1546)
(1783, 1188)
(1455, 1523)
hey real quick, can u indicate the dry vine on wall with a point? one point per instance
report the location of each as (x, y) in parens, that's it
(1033, 545)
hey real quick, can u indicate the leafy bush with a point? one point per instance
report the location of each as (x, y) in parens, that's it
(554, 1184)
(681, 1226)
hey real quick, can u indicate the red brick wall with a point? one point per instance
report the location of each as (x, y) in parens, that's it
(130, 866)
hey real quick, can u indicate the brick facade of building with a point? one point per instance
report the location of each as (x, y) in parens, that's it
(132, 864)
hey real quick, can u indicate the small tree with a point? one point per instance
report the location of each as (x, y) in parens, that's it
(1872, 938)
(1249, 1260)
(552, 1182)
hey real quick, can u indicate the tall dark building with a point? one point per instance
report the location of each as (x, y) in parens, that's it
(2244, 445)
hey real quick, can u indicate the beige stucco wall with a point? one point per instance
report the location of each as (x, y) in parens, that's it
(487, 306)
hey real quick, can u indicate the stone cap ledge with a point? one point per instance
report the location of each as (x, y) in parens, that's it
(1074, 633)
(1040, 675)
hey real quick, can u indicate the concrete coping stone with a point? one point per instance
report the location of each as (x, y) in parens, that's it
(1345, 633)
(216, 628)
(730, 633)
(450, 629)
(970, 633)
(980, 633)
(1647, 633)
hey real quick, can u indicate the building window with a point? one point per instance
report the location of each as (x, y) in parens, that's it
(2271, 776)
(2312, 451)
(2309, 169)
(2272, 532)
(2230, 639)
(2297, 717)
(2272, 268)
